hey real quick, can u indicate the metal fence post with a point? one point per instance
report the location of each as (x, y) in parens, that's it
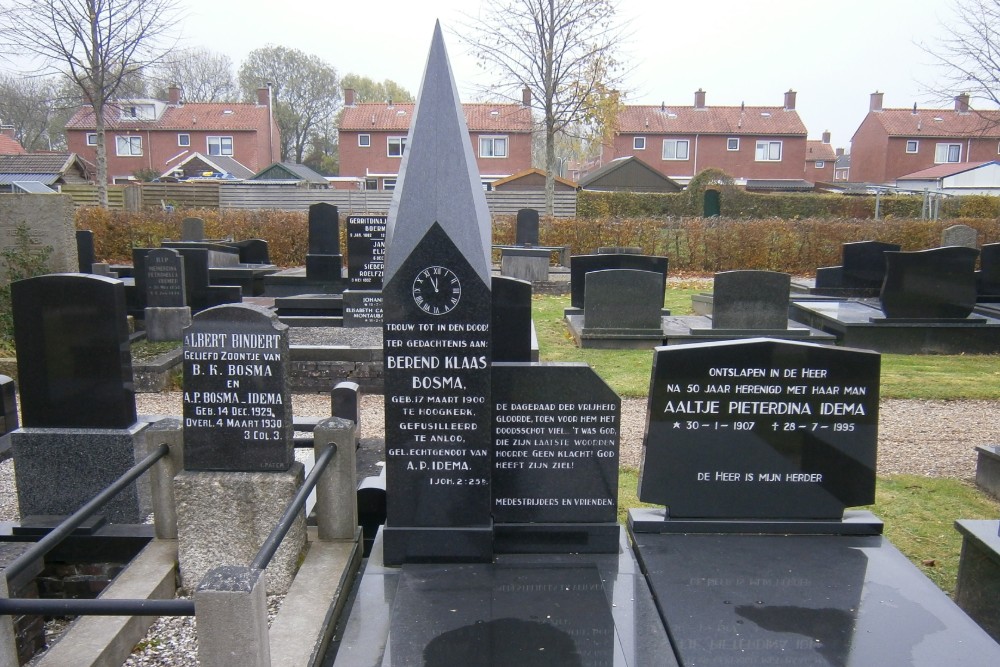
(231, 612)
(336, 491)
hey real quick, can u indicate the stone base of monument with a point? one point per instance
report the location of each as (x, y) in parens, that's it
(988, 469)
(698, 329)
(164, 324)
(61, 469)
(248, 277)
(317, 368)
(549, 538)
(572, 609)
(978, 587)
(611, 339)
(531, 264)
(462, 544)
(311, 310)
(155, 375)
(224, 517)
(657, 520)
(752, 598)
(292, 282)
(861, 324)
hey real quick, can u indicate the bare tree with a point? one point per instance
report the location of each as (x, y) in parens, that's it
(203, 75)
(968, 53)
(306, 92)
(99, 44)
(564, 52)
(29, 104)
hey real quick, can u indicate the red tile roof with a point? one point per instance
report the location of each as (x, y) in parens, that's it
(769, 121)
(817, 150)
(944, 170)
(938, 123)
(10, 146)
(479, 117)
(193, 116)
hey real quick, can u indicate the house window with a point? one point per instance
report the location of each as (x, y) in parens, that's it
(675, 149)
(947, 153)
(371, 184)
(183, 139)
(768, 151)
(492, 146)
(128, 146)
(912, 145)
(364, 140)
(820, 164)
(92, 138)
(733, 144)
(639, 143)
(220, 145)
(396, 146)
(388, 183)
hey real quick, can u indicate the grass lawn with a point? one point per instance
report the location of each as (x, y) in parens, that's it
(919, 512)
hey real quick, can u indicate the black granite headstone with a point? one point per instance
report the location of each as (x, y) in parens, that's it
(73, 358)
(253, 251)
(365, 251)
(555, 445)
(623, 301)
(8, 405)
(237, 404)
(511, 322)
(85, 250)
(761, 429)
(362, 308)
(199, 293)
(750, 300)
(323, 262)
(526, 231)
(581, 265)
(345, 402)
(988, 278)
(939, 283)
(436, 337)
(863, 263)
(164, 279)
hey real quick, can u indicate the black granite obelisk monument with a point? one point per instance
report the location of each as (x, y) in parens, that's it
(437, 338)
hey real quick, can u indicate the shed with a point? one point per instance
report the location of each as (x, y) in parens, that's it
(531, 180)
(966, 178)
(628, 174)
(49, 169)
(292, 171)
(199, 165)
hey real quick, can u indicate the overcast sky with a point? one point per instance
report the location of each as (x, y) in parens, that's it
(834, 54)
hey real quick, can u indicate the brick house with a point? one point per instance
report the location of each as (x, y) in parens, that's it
(155, 134)
(372, 138)
(681, 141)
(820, 160)
(891, 143)
(8, 144)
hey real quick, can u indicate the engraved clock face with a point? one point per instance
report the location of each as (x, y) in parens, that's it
(437, 290)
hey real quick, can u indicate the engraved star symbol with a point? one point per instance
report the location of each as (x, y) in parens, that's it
(677, 424)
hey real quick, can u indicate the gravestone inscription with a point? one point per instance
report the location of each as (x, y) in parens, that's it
(237, 404)
(366, 251)
(761, 429)
(165, 279)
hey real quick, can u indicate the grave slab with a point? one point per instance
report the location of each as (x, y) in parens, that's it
(977, 588)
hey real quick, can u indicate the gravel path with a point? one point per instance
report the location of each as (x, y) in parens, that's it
(931, 438)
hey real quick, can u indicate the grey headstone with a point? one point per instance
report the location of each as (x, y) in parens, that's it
(751, 300)
(623, 300)
(165, 279)
(526, 232)
(49, 222)
(345, 402)
(960, 235)
(193, 229)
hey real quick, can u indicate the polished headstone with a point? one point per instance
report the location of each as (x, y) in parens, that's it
(436, 336)
(935, 283)
(988, 278)
(73, 357)
(365, 251)
(253, 251)
(750, 300)
(526, 231)
(960, 235)
(362, 308)
(345, 402)
(323, 261)
(623, 301)
(863, 263)
(199, 292)
(9, 420)
(237, 403)
(761, 429)
(581, 265)
(164, 279)
(192, 229)
(85, 250)
(804, 600)
(511, 319)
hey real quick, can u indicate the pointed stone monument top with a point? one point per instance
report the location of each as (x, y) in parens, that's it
(439, 179)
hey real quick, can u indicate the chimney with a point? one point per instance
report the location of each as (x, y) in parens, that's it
(790, 100)
(7, 131)
(263, 96)
(350, 97)
(699, 99)
(962, 103)
(174, 95)
(839, 152)
(876, 103)
(526, 97)
(826, 137)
